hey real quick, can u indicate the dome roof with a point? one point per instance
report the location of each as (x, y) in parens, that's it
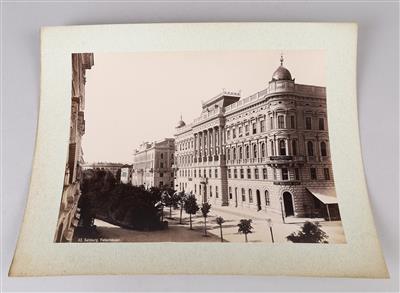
(281, 74)
(181, 123)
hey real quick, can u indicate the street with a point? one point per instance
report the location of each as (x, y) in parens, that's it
(181, 233)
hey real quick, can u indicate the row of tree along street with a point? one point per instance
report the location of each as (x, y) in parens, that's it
(136, 208)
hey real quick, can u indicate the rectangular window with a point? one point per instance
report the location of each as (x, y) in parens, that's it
(262, 125)
(210, 191)
(297, 173)
(254, 128)
(228, 134)
(265, 173)
(274, 173)
(271, 123)
(209, 173)
(161, 174)
(233, 133)
(285, 174)
(326, 174)
(256, 173)
(161, 165)
(246, 127)
(248, 173)
(205, 173)
(241, 173)
(235, 173)
(313, 173)
(250, 196)
(308, 123)
(172, 174)
(195, 188)
(229, 173)
(240, 130)
(216, 173)
(281, 121)
(321, 124)
(292, 124)
(162, 156)
(161, 183)
(216, 191)
(243, 195)
(194, 173)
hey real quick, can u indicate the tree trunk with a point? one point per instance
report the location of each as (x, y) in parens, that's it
(180, 217)
(220, 229)
(170, 211)
(190, 220)
(205, 226)
(245, 237)
(162, 214)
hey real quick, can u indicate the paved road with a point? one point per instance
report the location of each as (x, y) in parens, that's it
(232, 216)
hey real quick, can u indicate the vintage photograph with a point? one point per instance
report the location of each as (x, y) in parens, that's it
(199, 146)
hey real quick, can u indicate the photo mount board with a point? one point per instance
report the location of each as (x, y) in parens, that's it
(36, 253)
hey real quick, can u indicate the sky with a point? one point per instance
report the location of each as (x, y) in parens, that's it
(136, 97)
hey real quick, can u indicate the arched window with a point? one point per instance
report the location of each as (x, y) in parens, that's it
(282, 148)
(229, 154)
(310, 148)
(247, 152)
(255, 150)
(240, 153)
(267, 199)
(263, 150)
(243, 195)
(323, 149)
(250, 196)
(294, 147)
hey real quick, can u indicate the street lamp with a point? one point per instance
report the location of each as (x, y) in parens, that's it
(269, 221)
(283, 216)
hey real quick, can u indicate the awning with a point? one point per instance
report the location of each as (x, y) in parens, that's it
(326, 195)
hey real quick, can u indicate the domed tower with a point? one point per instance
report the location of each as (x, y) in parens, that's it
(282, 73)
(181, 123)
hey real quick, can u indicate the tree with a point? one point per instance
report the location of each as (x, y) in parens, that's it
(310, 233)
(205, 209)
(220, 221)
(191, 207)
(181, 201)
(245, 227)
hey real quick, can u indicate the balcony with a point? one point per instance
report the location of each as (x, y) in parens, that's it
(287, 182)
(281, 161)
(280, 158)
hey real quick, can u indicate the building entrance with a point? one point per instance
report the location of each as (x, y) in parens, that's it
(258, 200)
(288, 203)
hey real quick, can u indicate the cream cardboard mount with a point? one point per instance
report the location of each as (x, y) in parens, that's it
(38, 255)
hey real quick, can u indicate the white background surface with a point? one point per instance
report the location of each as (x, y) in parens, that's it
(378, 94)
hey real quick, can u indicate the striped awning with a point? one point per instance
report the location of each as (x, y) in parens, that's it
(325, 195)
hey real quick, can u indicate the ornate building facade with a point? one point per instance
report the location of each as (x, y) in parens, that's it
(69, 214)
(269, 151)
(152, 164)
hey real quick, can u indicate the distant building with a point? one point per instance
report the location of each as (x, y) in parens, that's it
(114, 168)
(68, 216)
(152, 164)
(126, 174)
(269, 151)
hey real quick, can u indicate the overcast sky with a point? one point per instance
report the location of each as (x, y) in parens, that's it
(137, 97)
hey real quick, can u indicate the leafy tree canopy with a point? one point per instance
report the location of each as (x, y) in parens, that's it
(310, 233)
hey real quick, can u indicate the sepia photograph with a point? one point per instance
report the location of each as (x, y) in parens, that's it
(199, 146)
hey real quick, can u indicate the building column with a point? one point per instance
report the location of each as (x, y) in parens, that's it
(276, 142)
(220, 140)
(287, 146)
